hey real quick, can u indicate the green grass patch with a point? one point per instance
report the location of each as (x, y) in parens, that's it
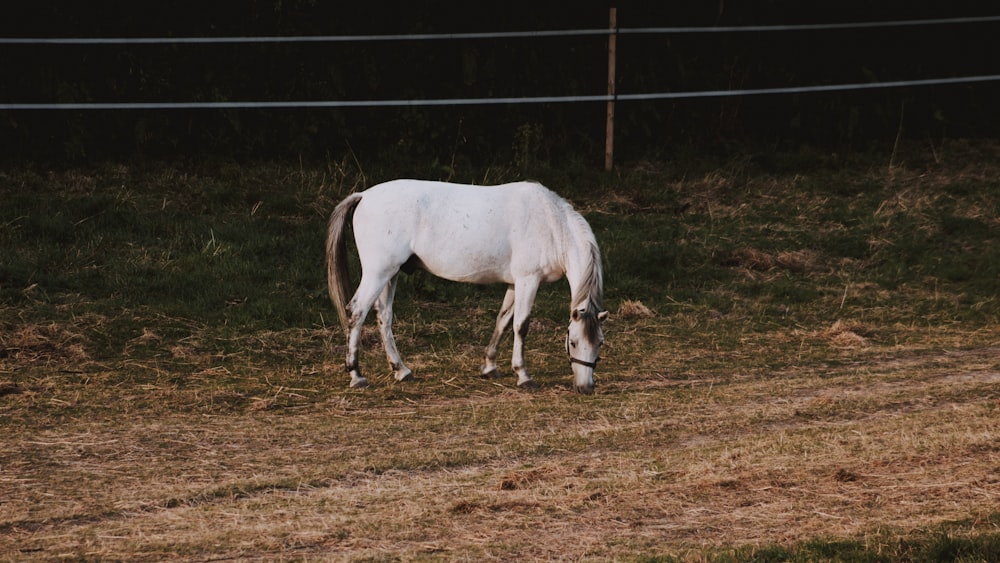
(935, 547)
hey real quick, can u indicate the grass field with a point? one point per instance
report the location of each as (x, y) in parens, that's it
(802, 363)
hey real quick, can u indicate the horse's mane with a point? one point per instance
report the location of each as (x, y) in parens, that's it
(592, 283)
(587, 295)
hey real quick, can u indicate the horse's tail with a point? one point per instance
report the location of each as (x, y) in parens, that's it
(337, 275)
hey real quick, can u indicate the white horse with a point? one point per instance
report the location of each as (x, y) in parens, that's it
(520, 234)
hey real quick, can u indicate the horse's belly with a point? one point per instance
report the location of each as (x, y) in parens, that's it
(466, 262)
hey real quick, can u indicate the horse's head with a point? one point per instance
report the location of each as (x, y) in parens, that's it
(583, 345)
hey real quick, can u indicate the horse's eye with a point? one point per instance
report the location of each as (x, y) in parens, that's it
(572, 344)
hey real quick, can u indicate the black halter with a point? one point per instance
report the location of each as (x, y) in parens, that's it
(572, 360)
(591, 365)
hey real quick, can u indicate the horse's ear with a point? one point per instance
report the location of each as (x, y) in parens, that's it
(602, 316)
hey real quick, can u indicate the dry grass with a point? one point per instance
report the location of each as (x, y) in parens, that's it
(847, 334)
(459, 468)
(634, 309)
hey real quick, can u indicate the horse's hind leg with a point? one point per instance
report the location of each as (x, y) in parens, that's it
(489, 367)
(368, 290)
(383, 310)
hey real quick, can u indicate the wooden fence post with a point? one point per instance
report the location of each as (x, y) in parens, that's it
(609, 135)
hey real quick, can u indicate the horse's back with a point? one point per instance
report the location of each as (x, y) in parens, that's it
(440, 204)
(468, 196)
(459, 232)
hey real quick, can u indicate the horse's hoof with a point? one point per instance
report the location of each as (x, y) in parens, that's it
(527, 384)
(584, 389)
(405, 375)
(359, 382)
(491, 374)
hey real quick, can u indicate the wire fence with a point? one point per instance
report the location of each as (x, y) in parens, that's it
(321, 104)
(306, 104)
(489, 35)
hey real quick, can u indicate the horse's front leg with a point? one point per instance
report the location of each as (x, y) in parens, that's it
(383, 311)
(525, 291)
(489, 367)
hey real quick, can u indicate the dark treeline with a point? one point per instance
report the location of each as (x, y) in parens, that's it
(559, 66)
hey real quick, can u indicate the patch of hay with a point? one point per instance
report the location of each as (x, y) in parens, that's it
(634, 310)
(847, 335)
(798, 260)
(43, 343)
(762, 261)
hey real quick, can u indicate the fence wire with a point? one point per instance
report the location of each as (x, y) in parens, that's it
(306, 104)
(488, 35)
